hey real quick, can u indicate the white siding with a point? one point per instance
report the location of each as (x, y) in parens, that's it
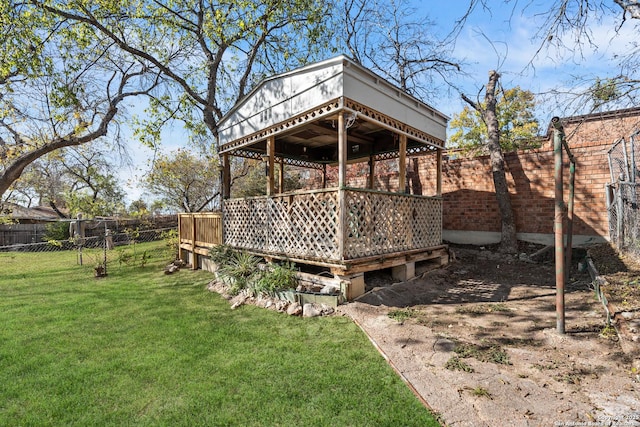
(281, 98)
(284, 96)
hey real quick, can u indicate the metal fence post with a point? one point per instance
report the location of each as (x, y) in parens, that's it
(620, 222)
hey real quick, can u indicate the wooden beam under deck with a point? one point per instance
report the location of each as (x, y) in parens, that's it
(363, 265)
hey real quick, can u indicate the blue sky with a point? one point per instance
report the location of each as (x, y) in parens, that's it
(504, 38)
(513, 30)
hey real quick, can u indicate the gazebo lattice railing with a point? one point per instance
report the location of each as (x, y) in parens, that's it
(332, 225)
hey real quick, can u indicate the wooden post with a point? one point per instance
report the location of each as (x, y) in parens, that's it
(270, 163)
(372, 173)
(324, 176)
(402, 166)
(342, 179)
(194, 255)
(181, 251)
(281, 176)
(342, 152)
(439, 172)
(226, 176)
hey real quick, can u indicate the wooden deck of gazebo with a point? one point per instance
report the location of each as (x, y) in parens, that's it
(332, 113)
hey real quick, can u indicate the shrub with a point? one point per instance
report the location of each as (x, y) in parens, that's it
(221, 254)
(275, 278)
(56, 231)
(172, 243)
(241, 270)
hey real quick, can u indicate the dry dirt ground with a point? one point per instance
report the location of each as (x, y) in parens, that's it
(477, 340)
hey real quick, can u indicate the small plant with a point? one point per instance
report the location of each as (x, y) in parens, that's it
(221, 254)
(99, 264)
(610, 333)
(172, 243)
(275, 278)
(241, 270)
(401, 315)
(456, 364)
(144, 258)
(130, 258)
(55, 243)
(125, 256)
(481, 392)
(132, 234)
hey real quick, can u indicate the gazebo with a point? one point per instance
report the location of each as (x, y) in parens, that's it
(334, 112)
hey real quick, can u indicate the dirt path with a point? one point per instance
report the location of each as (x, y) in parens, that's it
(477, 341)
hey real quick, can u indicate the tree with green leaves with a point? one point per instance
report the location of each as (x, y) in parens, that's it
(72, 180)
(211, 53)
(93, 189)
(138, 208)
(61, 85)
(517, 124)
(185, 181)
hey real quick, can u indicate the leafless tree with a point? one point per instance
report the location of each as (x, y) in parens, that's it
(393, 39)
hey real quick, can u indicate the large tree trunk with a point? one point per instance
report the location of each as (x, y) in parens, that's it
(508, 241)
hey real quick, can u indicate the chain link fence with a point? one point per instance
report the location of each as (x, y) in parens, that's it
(622, 195)
(624, 216)
(98, 240)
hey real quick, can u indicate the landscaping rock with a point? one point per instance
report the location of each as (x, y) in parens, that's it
(326, 310)
(238, 300)
(281, 306)
(310, 310)
(294, 309)
(170, 269)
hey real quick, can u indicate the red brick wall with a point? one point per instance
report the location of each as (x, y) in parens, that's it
(468, 191)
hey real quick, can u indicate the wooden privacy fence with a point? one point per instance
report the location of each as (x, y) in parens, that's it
(333, 225)
(199, 232)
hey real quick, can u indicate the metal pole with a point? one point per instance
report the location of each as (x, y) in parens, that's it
(626, 160)
(558, 133)
(572, 175)
(620, 219)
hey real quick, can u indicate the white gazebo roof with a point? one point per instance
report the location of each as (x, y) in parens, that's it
(298, 108)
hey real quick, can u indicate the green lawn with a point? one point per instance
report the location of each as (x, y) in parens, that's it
(142, 348)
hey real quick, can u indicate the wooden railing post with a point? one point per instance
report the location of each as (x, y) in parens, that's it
(180, 250)
(281, 176)
(271, 142)
(342, 152)
(439, 173)
(402, 165)
(372, 173)
(194, 256)
(226, 176)
(342, 223)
